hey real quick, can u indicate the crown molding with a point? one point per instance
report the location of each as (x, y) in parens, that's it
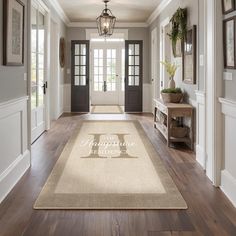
(118, 24)
(60, 11)
(153, 16)
(158, 10)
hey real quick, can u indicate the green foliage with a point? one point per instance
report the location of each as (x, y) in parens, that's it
(170, 67)
(179, 27)
(172, 90)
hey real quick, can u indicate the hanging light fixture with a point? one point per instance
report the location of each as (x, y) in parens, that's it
(106, 22)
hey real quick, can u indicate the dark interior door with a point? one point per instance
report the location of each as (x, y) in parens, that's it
(80, 76)
(133, 76)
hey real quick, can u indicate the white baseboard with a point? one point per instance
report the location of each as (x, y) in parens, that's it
(228, 186)
(10, 177)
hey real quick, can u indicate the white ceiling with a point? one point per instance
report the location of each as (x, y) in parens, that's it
(124, 10)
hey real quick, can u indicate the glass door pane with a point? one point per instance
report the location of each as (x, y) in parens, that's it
(111, 70)
(134, 65)
(98, 70)
(80, 61)
(37, 58)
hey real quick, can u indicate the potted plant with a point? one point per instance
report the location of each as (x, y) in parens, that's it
(172, 95)
(171, 69)
(179, 27)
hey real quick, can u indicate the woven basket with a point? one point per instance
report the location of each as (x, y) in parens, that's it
(179, 132)
(172, 97)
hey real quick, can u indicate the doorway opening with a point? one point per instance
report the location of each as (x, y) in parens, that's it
(107, 73)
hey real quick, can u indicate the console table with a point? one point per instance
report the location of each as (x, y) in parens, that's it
(166, 115)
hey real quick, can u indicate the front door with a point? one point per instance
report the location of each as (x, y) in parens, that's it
(80, 76)
(133, 76)
(38, 82)
(106, 74)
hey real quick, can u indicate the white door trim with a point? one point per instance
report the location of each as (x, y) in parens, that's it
(154, 61)
(163, 24)
(54, 81)
(214, 121)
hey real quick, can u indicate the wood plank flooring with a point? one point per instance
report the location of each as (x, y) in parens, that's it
(209, 212)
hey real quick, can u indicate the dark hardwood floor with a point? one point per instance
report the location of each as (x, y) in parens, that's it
(209, 212)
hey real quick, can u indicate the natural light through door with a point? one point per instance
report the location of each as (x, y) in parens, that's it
(107, 73)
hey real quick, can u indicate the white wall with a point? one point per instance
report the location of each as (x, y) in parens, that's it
(14, 153)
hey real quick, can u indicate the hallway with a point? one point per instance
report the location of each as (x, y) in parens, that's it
(209, 212)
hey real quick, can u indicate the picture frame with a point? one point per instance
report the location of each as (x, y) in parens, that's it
(13, 32)
(229, 43)
(190, 56)
(228, 6)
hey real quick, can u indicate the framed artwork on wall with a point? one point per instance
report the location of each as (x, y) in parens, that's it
(13, 32)
(229, 27)
(228, 6)
(190, 56)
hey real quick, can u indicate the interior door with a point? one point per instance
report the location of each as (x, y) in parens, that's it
(133, 76)
(106, 74)
(38, 82)
(80, 76)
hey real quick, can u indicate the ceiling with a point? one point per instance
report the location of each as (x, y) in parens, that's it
(124, 10)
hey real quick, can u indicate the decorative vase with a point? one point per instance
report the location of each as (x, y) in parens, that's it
(171, 84)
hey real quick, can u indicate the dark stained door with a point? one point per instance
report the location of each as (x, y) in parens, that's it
(80, 76)
(133, 76)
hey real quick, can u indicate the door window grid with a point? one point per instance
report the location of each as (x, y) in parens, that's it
(80, 74)
(111, 69)
(37, 58)
(134, 65)
(98, 70)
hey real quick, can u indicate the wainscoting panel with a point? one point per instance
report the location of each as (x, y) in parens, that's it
(14, 156)
(147, 100)
(228, 175)
(201, 129)
(67, 98)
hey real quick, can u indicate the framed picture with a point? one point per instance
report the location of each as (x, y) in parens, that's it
(229, 43)
(13, 32)
(228, 6)
(190, 56)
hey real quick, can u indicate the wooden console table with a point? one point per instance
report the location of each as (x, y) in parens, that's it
(166, 114)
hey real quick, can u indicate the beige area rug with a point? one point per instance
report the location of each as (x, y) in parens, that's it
(109, 165)
(107, 109)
